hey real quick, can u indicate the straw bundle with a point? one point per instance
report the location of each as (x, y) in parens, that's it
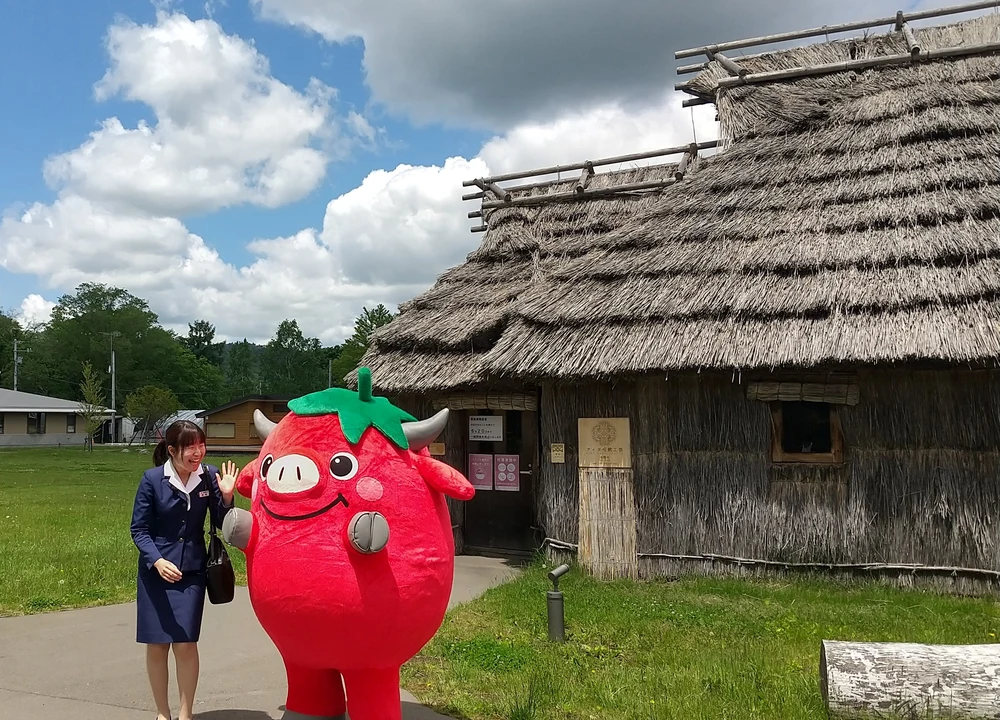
(853, 218)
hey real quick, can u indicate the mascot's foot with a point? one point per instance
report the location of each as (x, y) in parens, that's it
(292, 715)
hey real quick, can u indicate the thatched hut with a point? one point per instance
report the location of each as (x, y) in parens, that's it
(787, 358)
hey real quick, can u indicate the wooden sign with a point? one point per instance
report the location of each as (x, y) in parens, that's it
(486, 428)
(605, 443)
(558, 453)
(436, 448)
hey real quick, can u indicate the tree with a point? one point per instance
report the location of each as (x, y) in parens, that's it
(242, 371)
(199, 341)
(149, 406)
(92, 407)
(292, 364)
(355, 347)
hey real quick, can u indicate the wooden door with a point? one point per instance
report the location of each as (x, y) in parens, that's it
(501, 518)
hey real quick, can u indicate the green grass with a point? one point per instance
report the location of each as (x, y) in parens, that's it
(694, 648)
(64, 527)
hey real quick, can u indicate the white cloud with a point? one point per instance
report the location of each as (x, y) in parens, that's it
(226, 131)
(499, 65)
(35, 310)
(384, 241)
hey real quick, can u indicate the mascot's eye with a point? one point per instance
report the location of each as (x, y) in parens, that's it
(344, 466)
(265, 466)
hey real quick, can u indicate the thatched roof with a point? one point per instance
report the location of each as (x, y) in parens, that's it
(852, 218)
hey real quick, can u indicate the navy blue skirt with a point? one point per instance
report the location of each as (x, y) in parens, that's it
(169, 612)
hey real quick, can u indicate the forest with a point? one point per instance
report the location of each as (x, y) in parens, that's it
(72, 352)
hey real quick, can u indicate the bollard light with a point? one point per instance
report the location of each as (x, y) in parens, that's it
(557, 626)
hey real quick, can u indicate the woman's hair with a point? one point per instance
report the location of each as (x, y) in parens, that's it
(179, 435)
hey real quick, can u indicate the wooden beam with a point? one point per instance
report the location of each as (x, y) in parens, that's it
(554, 169)
(682, 167)
(478, 229)
(585, 175)
(475, 214)
(911, 680)
(696, 67)
(693, 102)
(834, 29)
(573, 195)
(474, 196)
(866, 64)
(732, 67)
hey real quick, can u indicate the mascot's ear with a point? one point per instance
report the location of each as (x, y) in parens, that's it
(244, 481)
(443, 478)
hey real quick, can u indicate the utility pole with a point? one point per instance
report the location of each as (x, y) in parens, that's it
(114, 428)
(329, 374)
(18, 359)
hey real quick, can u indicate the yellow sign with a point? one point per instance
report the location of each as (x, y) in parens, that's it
(436, 449)
(605, 443)
(558, 453)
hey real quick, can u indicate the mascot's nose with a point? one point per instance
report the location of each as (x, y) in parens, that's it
(290, 474)
(368, 532)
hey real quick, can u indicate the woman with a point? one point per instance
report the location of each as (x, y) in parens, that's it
(168, 521)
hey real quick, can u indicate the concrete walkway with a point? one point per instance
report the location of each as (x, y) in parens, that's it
(86, 665)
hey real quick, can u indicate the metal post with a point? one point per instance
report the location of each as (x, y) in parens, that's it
(329, 374)
(114, 430)
(557, 622)
(18, 359)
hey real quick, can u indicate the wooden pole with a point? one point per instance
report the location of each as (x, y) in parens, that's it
(907, 680)
(732, 67)
(834, 29)
(866, 64)
(594, 163)
(574, 195)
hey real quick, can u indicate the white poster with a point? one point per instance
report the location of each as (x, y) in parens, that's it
(486, 428)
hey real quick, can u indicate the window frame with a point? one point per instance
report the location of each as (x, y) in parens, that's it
(70, 423)
(40, 424)
(210, 430)
(780, 457)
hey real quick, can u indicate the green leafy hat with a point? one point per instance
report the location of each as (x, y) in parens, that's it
(357, 411)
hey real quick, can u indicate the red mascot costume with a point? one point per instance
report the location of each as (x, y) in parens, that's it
(349, 547)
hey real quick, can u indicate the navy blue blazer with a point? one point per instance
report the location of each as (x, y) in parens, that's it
(164, 526)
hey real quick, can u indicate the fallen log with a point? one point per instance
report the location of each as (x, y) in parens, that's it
(908, 680)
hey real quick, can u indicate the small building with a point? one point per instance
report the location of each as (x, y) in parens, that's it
(29, 420)
(229, 427)
(782, 356)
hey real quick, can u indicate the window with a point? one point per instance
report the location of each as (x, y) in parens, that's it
(806, 432)
(221, 430)
(279, 407)
(36, 423)
(1, 423)
(71, 423)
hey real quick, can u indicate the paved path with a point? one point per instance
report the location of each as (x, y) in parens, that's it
(86, 665)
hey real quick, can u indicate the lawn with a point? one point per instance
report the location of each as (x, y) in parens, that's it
(64, 527)
(693, 648)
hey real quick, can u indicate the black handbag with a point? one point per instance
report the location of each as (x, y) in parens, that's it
(220, 578)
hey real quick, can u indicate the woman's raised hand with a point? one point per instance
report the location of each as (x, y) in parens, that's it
(227, 480)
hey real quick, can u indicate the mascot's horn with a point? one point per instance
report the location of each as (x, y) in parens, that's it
(421, 434)
(262, 424)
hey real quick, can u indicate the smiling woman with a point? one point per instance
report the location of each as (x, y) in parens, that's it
(171, 503)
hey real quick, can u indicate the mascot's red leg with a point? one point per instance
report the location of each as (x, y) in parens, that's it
(315, 693)
(373, 694)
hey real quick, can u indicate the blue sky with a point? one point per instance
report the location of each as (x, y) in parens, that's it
(56, 48)
(304, 158)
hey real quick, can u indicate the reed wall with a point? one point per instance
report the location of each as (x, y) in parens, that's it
(920, 483)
